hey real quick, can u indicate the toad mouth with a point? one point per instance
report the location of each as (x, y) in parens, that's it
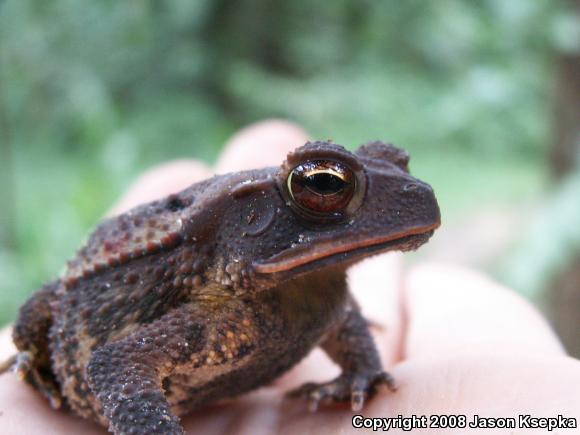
(331, 252)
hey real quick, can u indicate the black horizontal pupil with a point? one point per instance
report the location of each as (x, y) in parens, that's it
(324, 183)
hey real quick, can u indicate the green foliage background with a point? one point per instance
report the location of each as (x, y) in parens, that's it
(92, 93)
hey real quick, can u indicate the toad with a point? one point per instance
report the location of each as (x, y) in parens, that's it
(221, 288)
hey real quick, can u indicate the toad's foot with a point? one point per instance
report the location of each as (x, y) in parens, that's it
(356, 387)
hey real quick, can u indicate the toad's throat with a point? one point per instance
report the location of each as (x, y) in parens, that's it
(301, 255)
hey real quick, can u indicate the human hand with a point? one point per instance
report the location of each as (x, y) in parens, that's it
(455, 342)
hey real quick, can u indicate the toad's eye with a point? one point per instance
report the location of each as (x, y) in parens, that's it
(322, 186)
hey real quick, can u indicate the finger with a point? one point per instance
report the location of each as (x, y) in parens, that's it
(161, 181)
(260, 145)
(452, 310)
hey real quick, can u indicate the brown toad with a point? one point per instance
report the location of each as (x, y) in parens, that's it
(220, 288)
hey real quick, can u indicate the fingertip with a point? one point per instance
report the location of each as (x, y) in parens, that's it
(160, 181)
(261, 144)
(258, 145)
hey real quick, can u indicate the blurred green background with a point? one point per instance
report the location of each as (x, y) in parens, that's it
(481, 94)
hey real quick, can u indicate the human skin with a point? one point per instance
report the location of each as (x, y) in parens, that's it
(455, 341)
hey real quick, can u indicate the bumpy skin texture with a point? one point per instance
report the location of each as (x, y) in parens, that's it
(217, 290)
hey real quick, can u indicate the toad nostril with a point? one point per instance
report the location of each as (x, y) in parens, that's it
(410, 187)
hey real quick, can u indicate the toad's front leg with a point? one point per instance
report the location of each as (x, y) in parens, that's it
(351, 346)
(126, 376)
